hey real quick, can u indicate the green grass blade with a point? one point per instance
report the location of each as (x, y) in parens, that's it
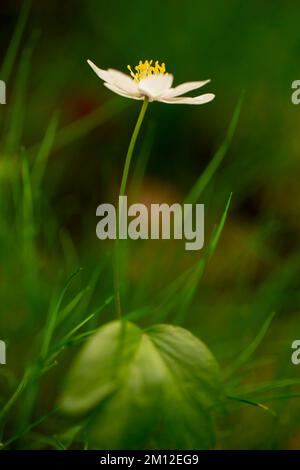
(219, 229)
(74, 330)
(93, 281)
(15, 42)
(52, 318)
(179, 293)
(252, 403)
(16, 117)
(42, 157)
(30, 257)
(86, 124)
(247, 353)
(217, 159)
(29, 428)
(81, 337)
(70, 337)
(187, 294)
(284, 396)
(71, 306)
(21, 386)
(27, 203)
(267, 387)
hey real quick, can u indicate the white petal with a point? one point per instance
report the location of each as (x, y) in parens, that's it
(103, 74)
(184, 88)
(189, 100)
(123, 81)
(119, 79)
(155, 85)
(120, 92)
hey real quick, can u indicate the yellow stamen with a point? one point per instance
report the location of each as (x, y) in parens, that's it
(145, 69)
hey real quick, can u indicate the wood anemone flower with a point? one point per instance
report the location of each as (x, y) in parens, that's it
(152, 82)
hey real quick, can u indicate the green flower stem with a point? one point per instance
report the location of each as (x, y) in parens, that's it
(122, 193)
(131, 147)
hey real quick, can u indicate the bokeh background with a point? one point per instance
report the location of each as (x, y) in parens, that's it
(251, 48)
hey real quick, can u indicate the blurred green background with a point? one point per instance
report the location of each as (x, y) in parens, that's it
(251, 47)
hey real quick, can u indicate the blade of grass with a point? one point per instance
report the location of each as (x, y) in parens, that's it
(215, 162)
(248, 352)
(15, 42)
(16, 116)
(21, 386)
(29, 428)
(93, 281)
(40, 366)
(267, 387)
(70, 253)
(52, 318)
(70, 338)
(27, 204)
(70, 307)
(252, 403)
(66, 339)
(140, 313)
(181, 290)
(285, 396)
(86, 124)
(30, 260)
(188, 292)
(79, 338)
(46, 146)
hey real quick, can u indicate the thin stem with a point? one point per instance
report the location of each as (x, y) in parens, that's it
(131, 147)
(122, 193)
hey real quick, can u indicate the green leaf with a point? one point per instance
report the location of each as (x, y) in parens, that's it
(137, 389)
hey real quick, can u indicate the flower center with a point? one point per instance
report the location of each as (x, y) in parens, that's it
(147, 68)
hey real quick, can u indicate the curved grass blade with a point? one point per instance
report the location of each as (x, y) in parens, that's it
(187, 294)
(52, 318)
(252, 403)
(217, 159)
(247, 353)
(179, 292)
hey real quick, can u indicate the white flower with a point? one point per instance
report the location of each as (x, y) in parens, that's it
(151, 82)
